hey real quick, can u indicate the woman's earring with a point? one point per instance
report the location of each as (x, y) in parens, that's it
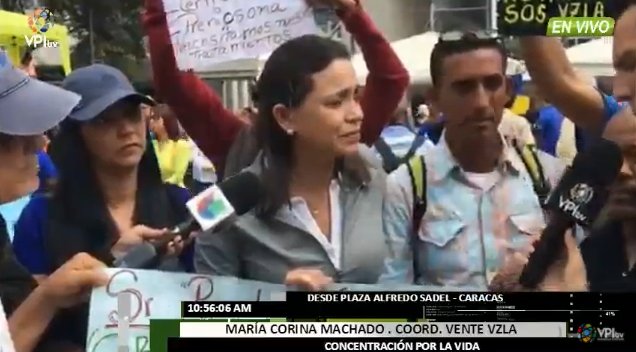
(290, 132)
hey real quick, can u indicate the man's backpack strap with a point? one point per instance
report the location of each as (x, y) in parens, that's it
(417, 143)
(390, 162)
(530, 158)
(417, 172)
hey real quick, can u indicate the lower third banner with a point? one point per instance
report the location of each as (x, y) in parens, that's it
(176, 344)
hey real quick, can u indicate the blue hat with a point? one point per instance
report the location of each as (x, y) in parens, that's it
(29, 106)
(100, 86)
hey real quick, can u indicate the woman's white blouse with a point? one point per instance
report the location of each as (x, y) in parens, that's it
(299, 212)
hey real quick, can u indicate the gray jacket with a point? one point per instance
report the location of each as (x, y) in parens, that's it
(265, 251)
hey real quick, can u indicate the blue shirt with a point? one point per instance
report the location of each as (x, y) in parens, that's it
(47, 170)
(549, 126)
(32, 226)
(466, 233)
(432, 130)
(611, 108)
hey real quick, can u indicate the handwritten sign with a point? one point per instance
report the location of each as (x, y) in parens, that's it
(207, 32)
(158, 295)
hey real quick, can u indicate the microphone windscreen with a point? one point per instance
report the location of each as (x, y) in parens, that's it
(243, 191)
(582, 191)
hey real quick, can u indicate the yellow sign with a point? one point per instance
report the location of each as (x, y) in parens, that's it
(521, 105)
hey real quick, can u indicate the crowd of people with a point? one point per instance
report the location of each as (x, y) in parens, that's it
(361, 184)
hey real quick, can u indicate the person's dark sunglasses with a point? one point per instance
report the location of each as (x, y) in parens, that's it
(455, 36)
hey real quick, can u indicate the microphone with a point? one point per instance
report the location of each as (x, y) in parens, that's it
(578, 198)
(214, 208)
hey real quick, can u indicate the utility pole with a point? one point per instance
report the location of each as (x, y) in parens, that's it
(91, 34)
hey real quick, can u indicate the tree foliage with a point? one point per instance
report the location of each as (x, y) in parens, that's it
(116, 27)
(14, 5)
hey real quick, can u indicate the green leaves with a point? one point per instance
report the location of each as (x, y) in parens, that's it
(116, 28)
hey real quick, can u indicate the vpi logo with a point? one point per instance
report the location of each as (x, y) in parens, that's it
(40, 22)
(579, 195)
(610, 334)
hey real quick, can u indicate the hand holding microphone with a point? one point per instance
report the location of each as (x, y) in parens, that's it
(567, 273)
(214, 208)
(578, 199)
(135, 236)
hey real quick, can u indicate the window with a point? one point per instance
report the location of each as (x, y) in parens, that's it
(448, 15)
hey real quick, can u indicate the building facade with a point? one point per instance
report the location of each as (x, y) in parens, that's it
(396, 19)
(399, 19)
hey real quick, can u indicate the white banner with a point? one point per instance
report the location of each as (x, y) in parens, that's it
(206, 33)
(372, 329)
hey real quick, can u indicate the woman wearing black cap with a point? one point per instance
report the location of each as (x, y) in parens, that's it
(109, 196)
(32, 309)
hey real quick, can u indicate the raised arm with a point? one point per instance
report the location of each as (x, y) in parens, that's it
(559, 83)
(387, 80)
(199, 110)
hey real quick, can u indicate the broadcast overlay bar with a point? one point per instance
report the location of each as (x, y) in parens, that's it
(280, 336)
(311, 344)
(409, 306)
(371, 330)
(404, 321)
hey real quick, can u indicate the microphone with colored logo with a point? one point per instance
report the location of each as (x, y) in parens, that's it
(214, 208)
(578, 199)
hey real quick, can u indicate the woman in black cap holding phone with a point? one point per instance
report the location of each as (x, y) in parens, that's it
(22, 124)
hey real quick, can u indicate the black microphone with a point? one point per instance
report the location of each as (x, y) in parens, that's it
(213, 208)
(578, 198)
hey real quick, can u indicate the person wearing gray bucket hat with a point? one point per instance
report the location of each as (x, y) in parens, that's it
(109, 195)
(20, 97)
(22, 122)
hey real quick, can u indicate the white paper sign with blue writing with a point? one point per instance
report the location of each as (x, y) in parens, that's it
(207, 32)
(158, 295)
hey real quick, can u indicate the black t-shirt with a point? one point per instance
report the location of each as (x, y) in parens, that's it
(16, 283)
(606, 261)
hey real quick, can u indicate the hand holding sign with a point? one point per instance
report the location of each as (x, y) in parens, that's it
(308, 279)
(339, 4)
(73, 281)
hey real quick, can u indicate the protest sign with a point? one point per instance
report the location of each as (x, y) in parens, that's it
(158, 295)
(207, 32)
